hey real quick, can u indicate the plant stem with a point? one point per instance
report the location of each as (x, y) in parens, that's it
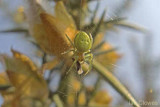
(107, 75)
(92, 94)
(57, 100)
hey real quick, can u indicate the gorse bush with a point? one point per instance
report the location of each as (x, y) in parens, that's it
(69, 45)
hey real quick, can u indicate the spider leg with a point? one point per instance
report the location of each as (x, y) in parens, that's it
(70, 40)
(71, 44)
(88, 52)
(88, 59)
(75, 60)
(67, 51)
(91, 38)
(79, 68)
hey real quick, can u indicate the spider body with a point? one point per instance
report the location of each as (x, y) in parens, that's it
(81, 50)
(83, 42)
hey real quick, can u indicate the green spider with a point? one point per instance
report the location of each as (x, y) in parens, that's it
(81, 51)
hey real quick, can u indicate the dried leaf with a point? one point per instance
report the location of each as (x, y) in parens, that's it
(56, 42)
(50, 65)
(62, 14)
(24, 58)
(49, 31)
(24, 78)
(4, 82)
(6, 88)
(3, 78)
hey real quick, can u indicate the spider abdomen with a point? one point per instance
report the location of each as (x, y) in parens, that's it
(82, 42)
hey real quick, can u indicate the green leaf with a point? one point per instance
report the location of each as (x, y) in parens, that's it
(108, 76)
